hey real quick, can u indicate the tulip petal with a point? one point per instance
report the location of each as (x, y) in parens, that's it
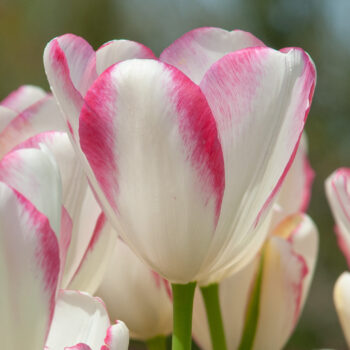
(137, 295)
(151, 141)
(35, 174)
(79, 346)
(93, 265)
(79, 318)
(117, 337)
(341, 297)
(289, 262)
(197, 50)
(39, 117)
(260, 99)
(70, 65)
(338, 194)
(6, 115)
(120, 50)
(29, 268)
(23, 97)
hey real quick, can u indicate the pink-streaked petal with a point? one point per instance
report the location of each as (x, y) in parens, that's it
(29, 268)
(79, 318)
(117, 337)
(338, 195)
(289, 262)
(34, 173)
(79, 346)
(341, 296)
(197, 50)
(6, 116)
(23, 97)
(260, 99)
(135, 294)
(152, 143)
(234, 294)
(42, 116)
(91, 270)
(120, 50)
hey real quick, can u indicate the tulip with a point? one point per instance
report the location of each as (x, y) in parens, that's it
(186, 153)
(275, 283)
(30, 117)
(30, 265)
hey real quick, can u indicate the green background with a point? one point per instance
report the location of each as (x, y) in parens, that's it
(321, 27)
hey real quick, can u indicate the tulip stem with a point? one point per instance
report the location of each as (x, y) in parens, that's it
(157, 343)
(183, 295)
(212, 305)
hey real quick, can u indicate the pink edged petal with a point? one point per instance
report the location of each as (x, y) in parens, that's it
(120, 50)
(79, 318)
(29, 268)
(6, 116)
(90, 272)
(151, 140)
(35, 174)
(117, 337)
(341, 296)
(23, 97)
(42, 116)
(338, 195)
(70, 68)
(234, 297)
(136, 294)
(260, 99)
(289, 261)
(79, 346)
(295, 191)
(197, 50)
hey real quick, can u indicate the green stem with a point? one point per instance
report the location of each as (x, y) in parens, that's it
(157, 343)
(252, 316)
(212, 305)
(183, 295)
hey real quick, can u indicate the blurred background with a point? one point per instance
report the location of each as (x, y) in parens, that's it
(321, 27)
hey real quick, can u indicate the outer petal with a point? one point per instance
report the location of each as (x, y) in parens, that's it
(29, 268)
(120, 50)
(260, 99)
(39, 117)
(80, 346)
(117, 337)
(338, 194)
(93, 265)
(152, 143)
(79, 318)
(6, 115)
(234, 297)
(23, 97)
(136, 294)
(197, 50)
(288, 269)
(341, 297)
(34, 173)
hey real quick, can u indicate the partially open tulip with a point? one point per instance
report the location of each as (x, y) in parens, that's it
(31, 251)
(30, 118)
(186, 153)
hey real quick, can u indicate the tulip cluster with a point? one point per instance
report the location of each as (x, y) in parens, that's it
(141, 178)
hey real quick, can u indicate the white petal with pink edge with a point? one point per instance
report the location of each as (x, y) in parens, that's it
(79, 318)
(137, 295)
(197, 50)
(117, 337)
(29, 269)
(120, 50)
(91, 270)
(338, 195)
(35, 174)
(6, 115)
(341, 296)
(152, 143)
(260, 99)
(23, 97)
(289, 261)
(42, 116)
